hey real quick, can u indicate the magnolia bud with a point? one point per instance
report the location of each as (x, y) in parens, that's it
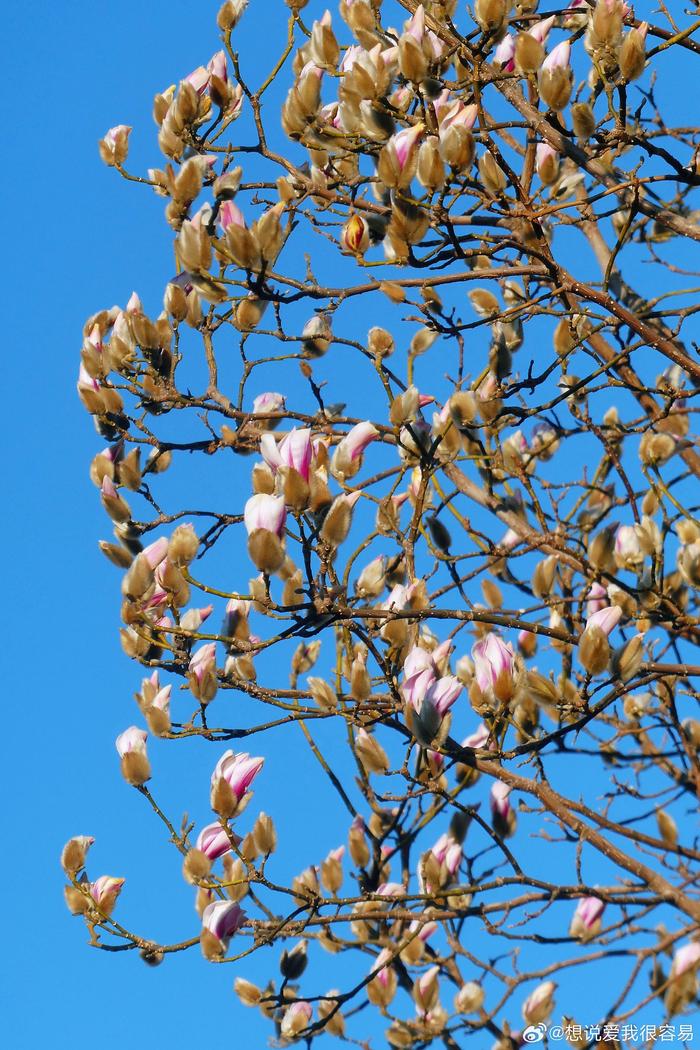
(248, 993)
(293, 963)
(196, 866)
(583, 120)
(469, 999)
(491, 14)
(264, 835)
(74, 854)
(370, 752)
(667, 828)
(491, 174)
(594, 650)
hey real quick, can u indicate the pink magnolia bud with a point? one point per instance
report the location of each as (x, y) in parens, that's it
(419, 675)
(194, 618)
(597, 599)
(230, 215)
(231, 779)
(131, 748)
(269, 402)
(499, 801)
(221, 920)
(297, 1017)
(132, 739)
(628, 547)
(559, 57)
(213, 841)
(540, 1003)
(585, 923)
(156, 552)
(217, 66)
(295, 450)
(115, 145)
(74, 853)
(546, 163)
(348, 455)
(443, 693)
(265, 512)
(447, 852)
(504, 54)
(104, 891)
(495, 667)
(479, 739)
(686, 959)
(199, 79)
(605, 619)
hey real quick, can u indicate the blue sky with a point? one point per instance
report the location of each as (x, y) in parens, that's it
(76, 239)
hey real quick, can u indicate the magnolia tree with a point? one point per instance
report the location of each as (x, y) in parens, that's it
(423, 390)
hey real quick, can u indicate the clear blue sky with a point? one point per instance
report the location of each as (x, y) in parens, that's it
(77, 238)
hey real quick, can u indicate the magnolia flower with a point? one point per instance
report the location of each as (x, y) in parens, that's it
(295, 450)
(232, 776)
(585, 923)
(296, 1018)
(354, 238)
(504, 55)
(558, 57)
(213, 841)
(605, 619)
(104, 891)
(347, 457)
(629, 553)
(500, 804)
(74, 853)
(540, 1003)
(216, 66)
(442, 694)
(131, 748)
(132, 739)
(265, 512)
(202, 673)
(419, 674)
(382, 988)
(115, 145)
(597, 599)
(686, 959)
(480, 739)
(495, 667)
(447, 852)
(230, 215)
(269, 402)
(220, 920)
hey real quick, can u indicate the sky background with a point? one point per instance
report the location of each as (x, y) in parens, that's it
(77, 238)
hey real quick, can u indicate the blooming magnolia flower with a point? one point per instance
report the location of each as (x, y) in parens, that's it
(232, 776)
(495, 667)
(629, 553)
(585, 923)
(265, 512)
(295, 450)
(104, 891)
(221, 919)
